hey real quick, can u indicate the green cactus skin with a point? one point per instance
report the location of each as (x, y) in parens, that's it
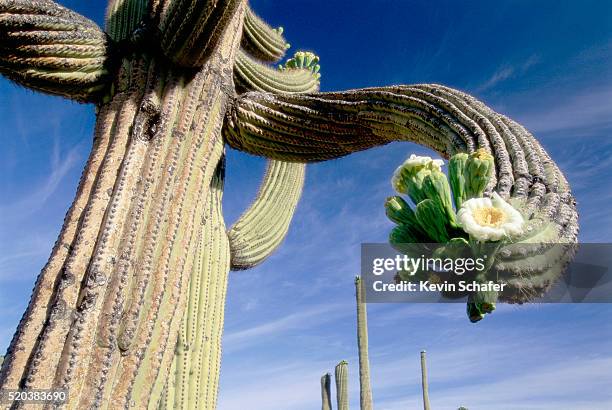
(49, 48)
(194, 378)
(250, 74)
(262, 41)
(326, 392)
(261, 229)
(365, 390)
(424, 381)
(190, 30)
(123, 17)
(342, 399)
(109, 306)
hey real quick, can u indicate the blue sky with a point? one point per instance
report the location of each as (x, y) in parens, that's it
(546, 64)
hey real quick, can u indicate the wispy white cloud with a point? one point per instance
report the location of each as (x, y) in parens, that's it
(506, 72)
(36, 198)
(304, 319)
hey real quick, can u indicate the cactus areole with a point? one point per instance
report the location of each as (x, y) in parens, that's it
(128, 311)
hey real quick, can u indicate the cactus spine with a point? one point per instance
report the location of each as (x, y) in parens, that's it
(424, 381)
(342, 399)
(122, 302)
(365, 389)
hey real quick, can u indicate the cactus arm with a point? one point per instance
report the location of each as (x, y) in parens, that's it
(123, 17)
(424, 382)
(52, 49)
(262, 41)
(316, 127)
(342, 385)
(190, 29)
(260, 230)
(249, 74)
(325, 392)
(365, 395)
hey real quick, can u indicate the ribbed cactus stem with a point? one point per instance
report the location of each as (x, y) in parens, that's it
(262, 227)
(315, 127)
(262, 41)
(190, 30)
(117, 283)
(342, 398)
(123, 16)
(51, 49)
(424, 382)
(325, 392)
(253, 75)
(365, 395)
(194, 380)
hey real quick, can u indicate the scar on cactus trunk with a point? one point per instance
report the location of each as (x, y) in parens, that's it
(130, 304)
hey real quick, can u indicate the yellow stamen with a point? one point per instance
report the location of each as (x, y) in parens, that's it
(489, 216)
(482, 154)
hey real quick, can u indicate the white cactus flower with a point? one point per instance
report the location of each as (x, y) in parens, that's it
(412, 165)
(490, 219)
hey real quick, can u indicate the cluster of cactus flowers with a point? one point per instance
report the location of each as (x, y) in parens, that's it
(452, 217)
(129, 308)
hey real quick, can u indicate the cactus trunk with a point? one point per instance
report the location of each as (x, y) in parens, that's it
(117, 282)
(325, 392)
(424, 382)
(365, 395)
(342, 385)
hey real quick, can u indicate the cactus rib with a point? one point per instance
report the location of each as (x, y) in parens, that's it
(262, 227)
(315, 127)
(52, 49)
(262, 41)
(250, 74)
(190, 30)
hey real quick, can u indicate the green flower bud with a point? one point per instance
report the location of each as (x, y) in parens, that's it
(478, 171)
(456, 175)
(399, 211)
(412, 172)
(432, 219)
(435, 187)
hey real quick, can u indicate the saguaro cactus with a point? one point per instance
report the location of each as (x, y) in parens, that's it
(365, 389)
(424, 381)
(342, 385)
(326, 392)
(135, 285)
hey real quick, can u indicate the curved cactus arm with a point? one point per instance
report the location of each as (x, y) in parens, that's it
(191, 29)
(342, 385)
(262, 41)
(250, 74)
(365, 391)
(262, 227)
(49, 48)
(317, 127)
(325, 392)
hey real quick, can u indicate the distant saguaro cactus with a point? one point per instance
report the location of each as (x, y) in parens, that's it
(326, 392)
(365, 388)
(342, 397)
(424, 381)
(130, 305)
